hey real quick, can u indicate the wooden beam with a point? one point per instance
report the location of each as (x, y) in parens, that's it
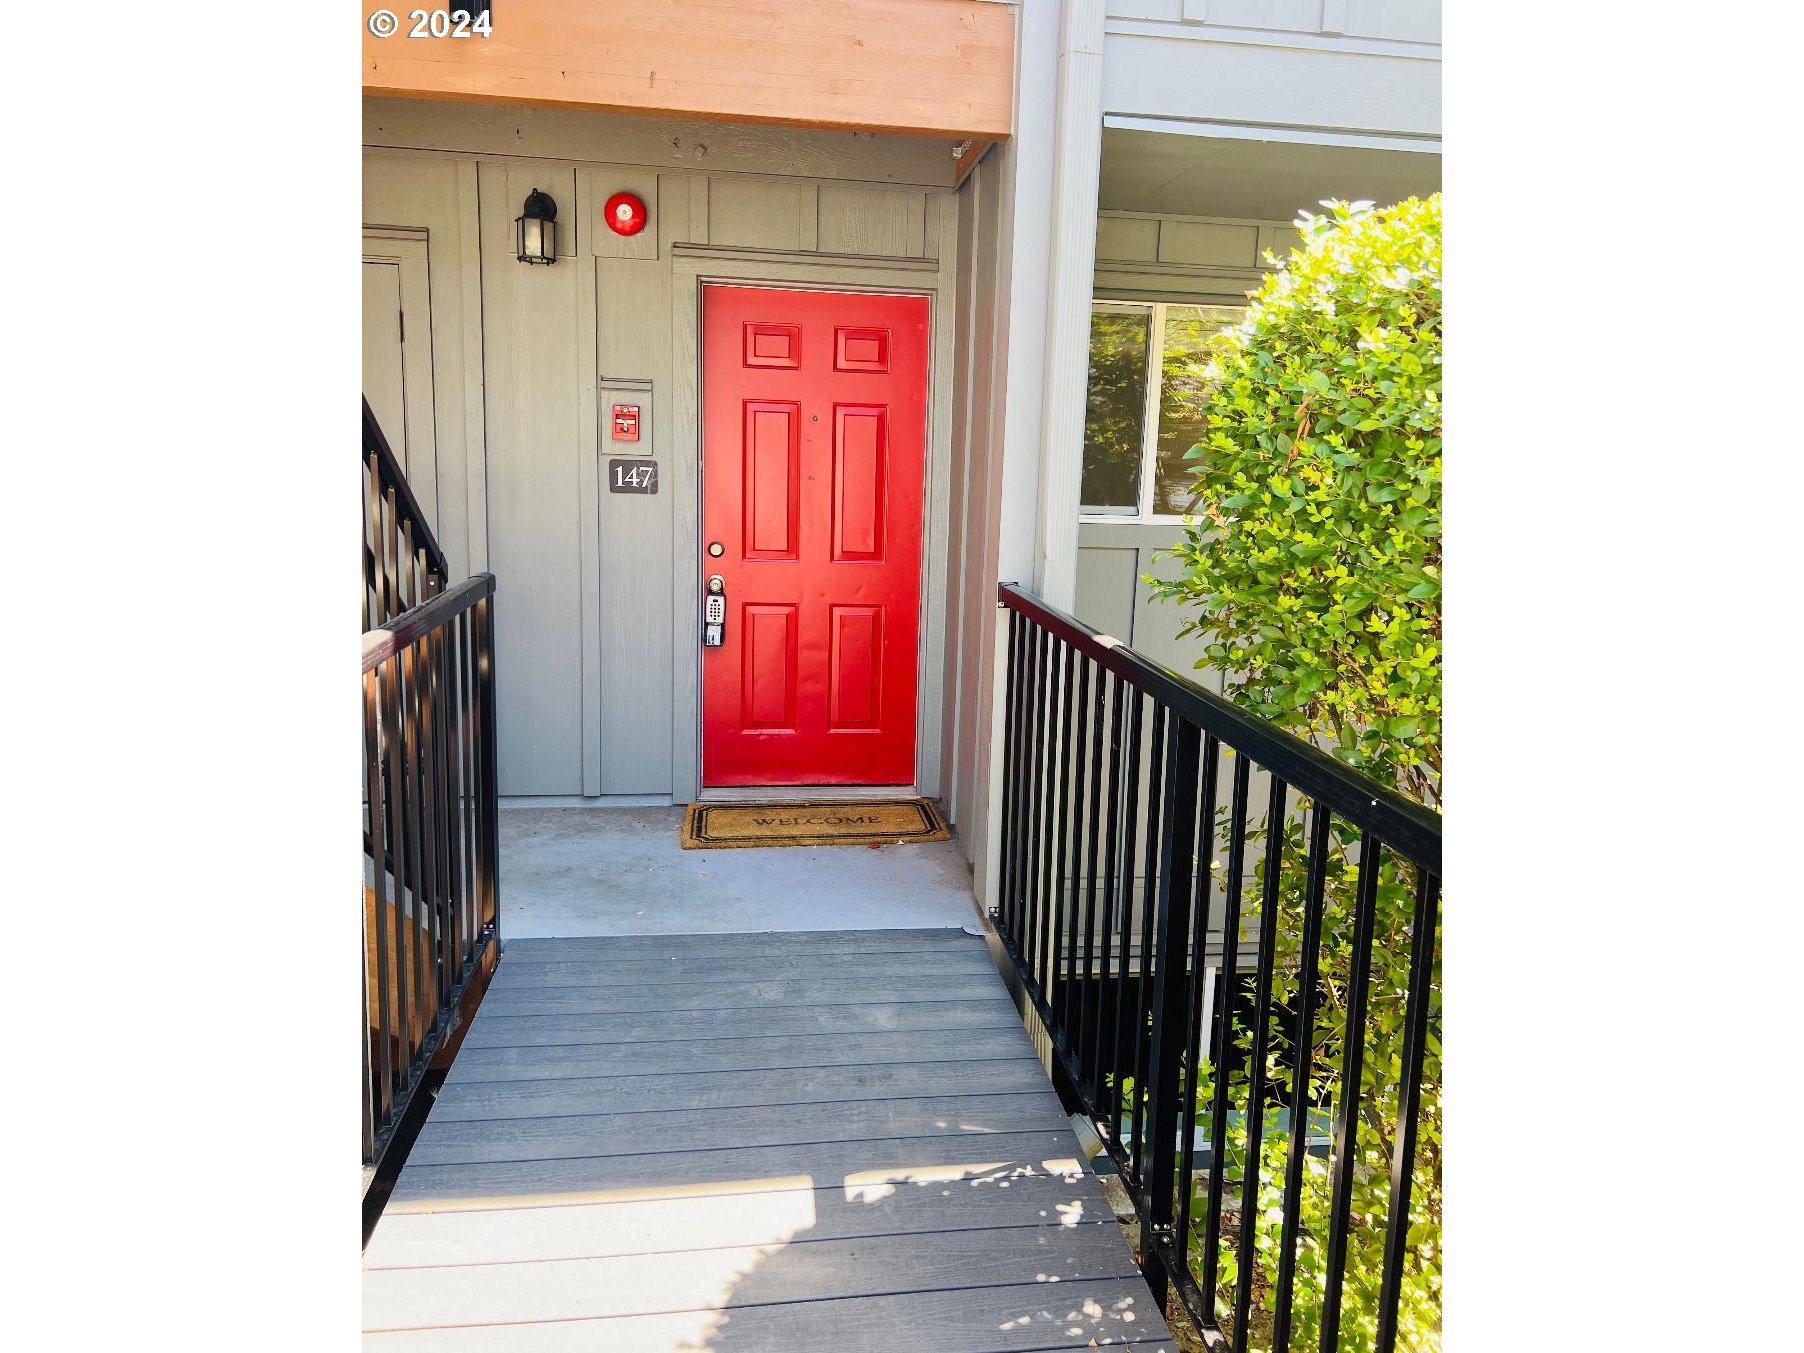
(921, 67)
(975, 149)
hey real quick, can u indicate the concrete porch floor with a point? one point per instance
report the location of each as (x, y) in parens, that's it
(623, 871)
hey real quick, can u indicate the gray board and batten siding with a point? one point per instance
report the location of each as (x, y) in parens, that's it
(598, 655)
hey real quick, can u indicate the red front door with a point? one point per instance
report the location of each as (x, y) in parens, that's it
(814, 435)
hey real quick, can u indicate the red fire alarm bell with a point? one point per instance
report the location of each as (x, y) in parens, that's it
(625, 213)
(626, 422)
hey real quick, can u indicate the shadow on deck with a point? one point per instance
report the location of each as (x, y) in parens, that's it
(802, 1141)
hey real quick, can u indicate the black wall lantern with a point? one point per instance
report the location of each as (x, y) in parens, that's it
(535, 229)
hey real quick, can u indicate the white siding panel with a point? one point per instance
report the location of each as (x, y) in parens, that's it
(1169, 11)
(1396, 20)
(1318, 90)
(1294, 16)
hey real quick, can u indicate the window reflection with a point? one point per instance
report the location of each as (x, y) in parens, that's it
(1192, 333)
(1115, 412)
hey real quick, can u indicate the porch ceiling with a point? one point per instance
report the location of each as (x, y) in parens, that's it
(919, 67)
(1252, 180)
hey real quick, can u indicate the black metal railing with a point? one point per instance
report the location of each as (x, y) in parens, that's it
(1274, 1122)
(402, 562)
(431, 909)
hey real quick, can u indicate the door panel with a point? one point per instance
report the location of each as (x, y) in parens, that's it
(813, 457)
(397, 359)
(384, 375)
(860, 446)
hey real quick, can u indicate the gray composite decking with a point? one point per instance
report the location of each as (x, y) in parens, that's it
(739, 1143)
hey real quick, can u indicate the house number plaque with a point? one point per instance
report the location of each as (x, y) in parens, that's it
(632, 476)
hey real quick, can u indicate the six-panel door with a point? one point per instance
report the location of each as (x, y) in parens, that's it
(814, 431)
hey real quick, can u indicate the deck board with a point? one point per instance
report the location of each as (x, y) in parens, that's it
(733, 1089)
(802, 943)
(752, 967)
(507, 1029)
(852, 1146)
(623, 1134)
(753, 1052)
(521, 996)
(1026, 1318)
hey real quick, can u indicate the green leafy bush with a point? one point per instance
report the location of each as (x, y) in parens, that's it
(1313, 569)
(1314, 564)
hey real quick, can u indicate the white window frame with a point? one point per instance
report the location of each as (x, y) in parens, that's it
(1149, 422)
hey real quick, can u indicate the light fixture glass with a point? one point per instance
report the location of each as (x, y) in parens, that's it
(535, 229)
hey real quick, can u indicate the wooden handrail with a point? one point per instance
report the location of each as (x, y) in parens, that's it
(382, 644)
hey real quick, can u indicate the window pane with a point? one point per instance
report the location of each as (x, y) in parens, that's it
(1191, 334)
(1115, 416)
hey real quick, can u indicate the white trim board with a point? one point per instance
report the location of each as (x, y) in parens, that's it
(1261, 131)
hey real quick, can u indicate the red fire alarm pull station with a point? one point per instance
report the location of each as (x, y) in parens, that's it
(625, 214)
(626, 422)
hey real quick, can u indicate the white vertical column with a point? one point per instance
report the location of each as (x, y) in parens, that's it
(1025, 167)
(1071, 266)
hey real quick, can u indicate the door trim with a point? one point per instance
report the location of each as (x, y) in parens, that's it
(408, 252)
(820, 793)
(783, 271)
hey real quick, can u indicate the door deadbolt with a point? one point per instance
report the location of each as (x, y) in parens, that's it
(716, 549)
(714, 612)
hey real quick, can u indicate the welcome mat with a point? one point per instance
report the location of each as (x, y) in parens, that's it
(728, 826)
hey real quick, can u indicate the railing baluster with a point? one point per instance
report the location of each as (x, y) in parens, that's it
(1222, 1039)
(1047, 909)
(1091, 985)
(391, 554)
(1275, 817)
(1036, 806)
(398, 846)
(491, 783)
(442, 804)
(1202, 844)
(1424, 925)
(1155, 761)
(1005, 864)
(372, 742)
(1119, 1058)
(1117, 692)
(431, 885)
(375, 599)
(420, 790)
(1346, 1137)
(1077, 709)
(1170, 942)
(1056, 856)
(466, 648)
(1302, 1055)
(363, 1018)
